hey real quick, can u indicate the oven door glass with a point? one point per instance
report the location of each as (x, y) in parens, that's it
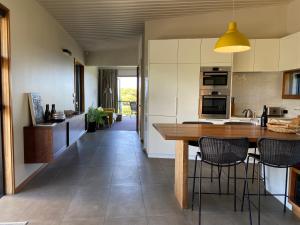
(214, 105)
(215, 80)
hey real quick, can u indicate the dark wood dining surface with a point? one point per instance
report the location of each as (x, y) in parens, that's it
(189, 132)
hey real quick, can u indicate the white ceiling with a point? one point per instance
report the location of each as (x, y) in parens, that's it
(103, 24)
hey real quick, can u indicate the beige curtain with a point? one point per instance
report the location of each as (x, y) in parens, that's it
(108, 88)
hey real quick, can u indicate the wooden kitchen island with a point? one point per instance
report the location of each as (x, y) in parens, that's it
(182, 133)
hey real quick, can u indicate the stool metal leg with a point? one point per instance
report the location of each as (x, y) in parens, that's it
(285, 192)
(235, 188)
(200, 193)
(219, 178)
(264, 171)
(228, 179)
(258, 185)
(246, 188)
(194, 180)
(211, 173)
(253, 167)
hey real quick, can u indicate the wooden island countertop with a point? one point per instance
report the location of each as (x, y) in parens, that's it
(183, 133)
(192, 132)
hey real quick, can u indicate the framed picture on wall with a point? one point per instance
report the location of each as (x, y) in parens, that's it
(36, 108)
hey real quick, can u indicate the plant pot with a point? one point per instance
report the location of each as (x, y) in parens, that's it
(100, 127)
(91, 127)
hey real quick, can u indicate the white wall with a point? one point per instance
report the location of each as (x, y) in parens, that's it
(127, 72)
(91, 86)
(37, 65)
(113, 57)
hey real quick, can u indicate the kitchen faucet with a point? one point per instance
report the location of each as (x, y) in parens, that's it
(248, 113)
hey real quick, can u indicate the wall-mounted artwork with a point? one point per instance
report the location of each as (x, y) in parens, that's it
(36, 108)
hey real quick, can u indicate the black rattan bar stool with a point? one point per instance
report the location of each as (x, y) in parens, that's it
(196, 144)
(224, 153)
(251, 145)
(278, 154)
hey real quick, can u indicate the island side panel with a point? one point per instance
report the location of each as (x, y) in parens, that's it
(181, 173)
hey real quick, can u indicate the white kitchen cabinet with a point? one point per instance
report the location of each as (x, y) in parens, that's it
(162, 89)
(188, 92)
(163, 51)
(266, 57)
(189, 50)
(157, 146)
(262, 57)
(244, 61)
(211, 58)
(290, 52)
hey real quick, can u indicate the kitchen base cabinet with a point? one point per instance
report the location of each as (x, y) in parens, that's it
(294, 190)
(157, 146)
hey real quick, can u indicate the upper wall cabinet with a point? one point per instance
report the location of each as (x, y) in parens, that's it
(163, 51)
(211, 58)
(262, 57)
(189, 51)
(266, 55)
(244, 61)
(290, 52)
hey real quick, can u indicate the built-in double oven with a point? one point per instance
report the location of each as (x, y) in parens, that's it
(215, 86)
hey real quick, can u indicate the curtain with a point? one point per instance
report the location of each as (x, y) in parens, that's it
(108, 88)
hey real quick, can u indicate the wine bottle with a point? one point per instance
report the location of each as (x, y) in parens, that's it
(47, 114)
(264, 117)
(53, 110)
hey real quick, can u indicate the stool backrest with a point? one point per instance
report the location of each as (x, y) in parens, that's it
(279, 153)
(223, 150)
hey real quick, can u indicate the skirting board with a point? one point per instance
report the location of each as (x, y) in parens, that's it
(14, 223)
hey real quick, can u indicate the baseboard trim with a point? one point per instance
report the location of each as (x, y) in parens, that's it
(21, 186)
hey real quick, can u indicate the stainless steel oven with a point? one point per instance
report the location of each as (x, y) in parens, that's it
(214, 104)
(215, 78)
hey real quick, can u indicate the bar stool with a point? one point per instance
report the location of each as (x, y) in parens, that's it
(278, 154)
(224, 152)
(251, 145)
(196, 144)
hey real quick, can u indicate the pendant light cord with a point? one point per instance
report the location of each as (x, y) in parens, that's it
(233, 10)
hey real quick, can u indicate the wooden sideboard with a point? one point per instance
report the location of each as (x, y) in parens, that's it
(42, 144)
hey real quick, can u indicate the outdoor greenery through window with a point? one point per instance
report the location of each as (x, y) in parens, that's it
(127, 95)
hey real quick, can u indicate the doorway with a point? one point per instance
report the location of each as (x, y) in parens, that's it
(79, 87)
(127, 99)
(7, 173)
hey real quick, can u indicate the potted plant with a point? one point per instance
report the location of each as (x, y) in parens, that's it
(91, 118)
(100, 117)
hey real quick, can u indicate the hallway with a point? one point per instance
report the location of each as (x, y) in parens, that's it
(128, 123)
(106, 179)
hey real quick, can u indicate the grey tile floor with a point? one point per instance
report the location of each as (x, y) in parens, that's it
(106, 179)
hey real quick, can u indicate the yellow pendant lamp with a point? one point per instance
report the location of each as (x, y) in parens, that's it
(232, 40)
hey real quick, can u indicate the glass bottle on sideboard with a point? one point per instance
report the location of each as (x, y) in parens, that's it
(47, 113)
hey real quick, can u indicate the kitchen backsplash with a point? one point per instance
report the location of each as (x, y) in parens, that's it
(254, 90)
